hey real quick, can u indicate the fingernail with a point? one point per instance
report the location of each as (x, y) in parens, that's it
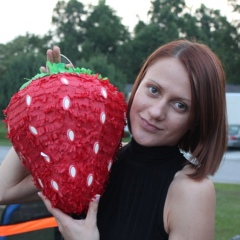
(96, 198)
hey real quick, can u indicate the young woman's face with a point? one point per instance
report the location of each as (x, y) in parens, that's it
(161, 107)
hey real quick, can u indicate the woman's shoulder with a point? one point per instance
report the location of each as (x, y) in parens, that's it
(190, 189)
(190, 205)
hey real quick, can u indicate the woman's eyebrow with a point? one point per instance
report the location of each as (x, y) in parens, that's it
(155, 82)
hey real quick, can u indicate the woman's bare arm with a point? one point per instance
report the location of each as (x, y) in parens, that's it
(16, 184)
(191, 209)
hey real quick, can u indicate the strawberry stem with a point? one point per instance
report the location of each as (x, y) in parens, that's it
(55, 68)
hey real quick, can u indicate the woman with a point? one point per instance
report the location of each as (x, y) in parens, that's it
(158, 186)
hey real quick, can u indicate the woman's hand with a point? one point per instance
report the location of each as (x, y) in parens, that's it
(72, 229)
(54, 56)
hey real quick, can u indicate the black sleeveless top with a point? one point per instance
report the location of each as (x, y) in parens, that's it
(131, 207)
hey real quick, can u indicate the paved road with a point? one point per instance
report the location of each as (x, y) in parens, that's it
(229, 171)
(3, 152)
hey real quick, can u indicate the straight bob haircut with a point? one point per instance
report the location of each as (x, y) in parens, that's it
(206, 140)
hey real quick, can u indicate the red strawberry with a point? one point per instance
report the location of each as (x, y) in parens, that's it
(66, 128)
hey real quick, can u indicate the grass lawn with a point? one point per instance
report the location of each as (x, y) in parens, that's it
(4, 141)
(227, 211)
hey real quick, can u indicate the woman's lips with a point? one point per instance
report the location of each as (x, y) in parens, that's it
(149, 127)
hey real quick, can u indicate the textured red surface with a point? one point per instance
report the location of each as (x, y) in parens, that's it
(67, 129)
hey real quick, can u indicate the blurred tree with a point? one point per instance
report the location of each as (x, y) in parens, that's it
(20, 59)
(99, 64)
(132, 54)
(68, 19)
(170, 20)
(222, 37)
(167, 14)
(104, 32)
(165, 25)
(235, 4)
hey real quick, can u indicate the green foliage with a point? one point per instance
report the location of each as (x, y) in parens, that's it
(99, 64)
(221, 37)
(68, 19)
(104, 32)
(4, 141)
(227, 211)
(24, 63)
(16, 74)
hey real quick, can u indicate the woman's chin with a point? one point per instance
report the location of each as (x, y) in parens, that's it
(145, 140)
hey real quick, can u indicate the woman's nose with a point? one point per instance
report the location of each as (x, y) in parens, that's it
(158, 110)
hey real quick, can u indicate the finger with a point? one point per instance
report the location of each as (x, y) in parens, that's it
(50, 56)
(53, 55)
(57, 213)
(69, 65)
(43, 69)
(92, 210)
(56, 54)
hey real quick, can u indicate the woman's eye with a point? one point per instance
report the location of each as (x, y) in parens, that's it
(153, 90)
(181, 106)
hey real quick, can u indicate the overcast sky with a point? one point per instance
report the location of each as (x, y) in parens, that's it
(17, 17)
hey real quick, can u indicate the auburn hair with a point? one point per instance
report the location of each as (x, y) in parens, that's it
(207, 138)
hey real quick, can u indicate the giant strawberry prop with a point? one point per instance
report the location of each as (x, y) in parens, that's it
(66, 127)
